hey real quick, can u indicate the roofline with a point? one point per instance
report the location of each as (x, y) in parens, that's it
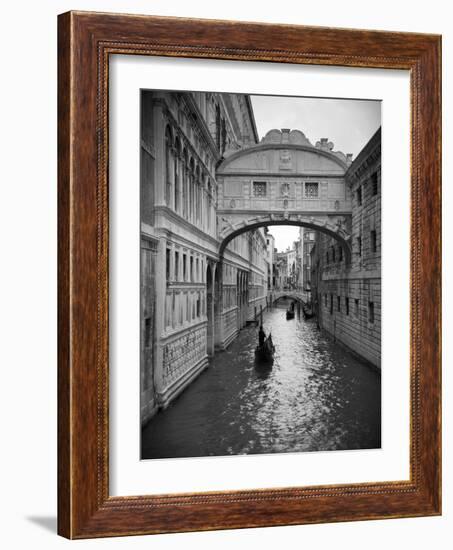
(285, 146)
(370, 145)
(248, 102)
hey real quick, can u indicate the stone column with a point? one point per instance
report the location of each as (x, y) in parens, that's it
(161, 292)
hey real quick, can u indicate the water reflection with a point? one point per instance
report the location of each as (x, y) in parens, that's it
(315, 396)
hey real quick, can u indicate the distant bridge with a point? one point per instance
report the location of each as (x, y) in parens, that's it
(297, 295)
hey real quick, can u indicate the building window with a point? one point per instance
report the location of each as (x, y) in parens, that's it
(331, 304)
(327, 257)
(168, 166)
(259, 188)
(356, 302)
(176, 266)
(191, 268)
(374, 183)
(359, 246)
(373, 241)
(311, 190)
(338, 303)
(359, 196)
(347, 305)
(333, 254)
(148, 333)
(184, 267)
(167, 264)
(197, 270)
(218, 129)
(223, 137)
(340, 253)
(371, 312)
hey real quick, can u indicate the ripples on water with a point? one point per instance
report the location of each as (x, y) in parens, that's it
(315, 397)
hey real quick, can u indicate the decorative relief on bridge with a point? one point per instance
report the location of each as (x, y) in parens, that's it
(295, 137)
(285, 160)
(284, 189)
(183, 353)
(261, 161)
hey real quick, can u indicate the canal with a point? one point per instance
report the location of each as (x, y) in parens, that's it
(316, 397)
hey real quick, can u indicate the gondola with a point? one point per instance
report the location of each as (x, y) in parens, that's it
(307, 312)
(289, 314)
(265, 352)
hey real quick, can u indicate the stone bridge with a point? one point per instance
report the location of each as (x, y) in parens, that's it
(297, 295)
(285, 180)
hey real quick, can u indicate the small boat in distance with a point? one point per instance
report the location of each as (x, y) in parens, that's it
(290, 312)
(308, 312)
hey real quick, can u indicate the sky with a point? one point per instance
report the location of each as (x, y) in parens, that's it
(348, 123)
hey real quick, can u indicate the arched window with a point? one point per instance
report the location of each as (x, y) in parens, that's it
(197, 194)
(184, 171)
(177, 172)
(208, 204)
(191, 188)
(168, 166)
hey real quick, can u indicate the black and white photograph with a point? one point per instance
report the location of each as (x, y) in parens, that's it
(260, 275)
(228, 223)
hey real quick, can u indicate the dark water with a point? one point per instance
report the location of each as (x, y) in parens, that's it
(316, 397)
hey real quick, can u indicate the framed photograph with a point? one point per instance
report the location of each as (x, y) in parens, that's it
(249, 275)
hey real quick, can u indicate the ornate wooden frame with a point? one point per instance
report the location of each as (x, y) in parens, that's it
(85, 41)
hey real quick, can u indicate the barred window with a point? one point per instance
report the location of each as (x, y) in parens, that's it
(359, 246)
(259, 188)
(373, 239)
(371, 312)
(359, 196)
(374, 183)
(311, 190)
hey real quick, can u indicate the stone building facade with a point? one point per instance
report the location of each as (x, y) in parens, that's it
(304, 246)
(347, 296)
(191, 303)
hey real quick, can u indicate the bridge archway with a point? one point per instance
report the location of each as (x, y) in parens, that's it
(275, 297)
(335, 230)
